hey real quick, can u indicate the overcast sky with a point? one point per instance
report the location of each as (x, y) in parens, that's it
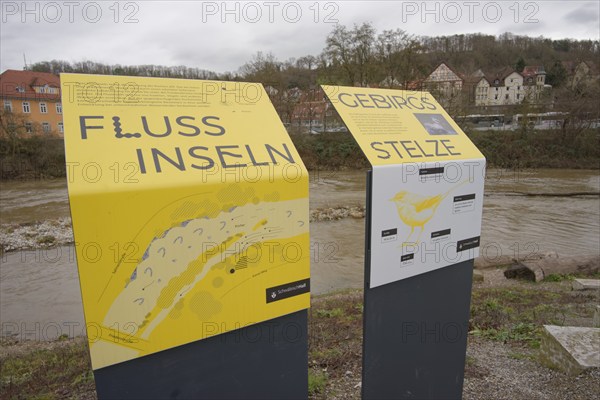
(222, 36)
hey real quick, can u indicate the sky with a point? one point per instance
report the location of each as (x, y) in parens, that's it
(221, 36)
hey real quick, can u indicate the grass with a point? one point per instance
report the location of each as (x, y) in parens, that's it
(336, 312)
(519, 356)
(512, 315)
(317, 380)
(571, 277)
(47, 240)
(517, 314)
(335, 332)
(61, 371)
(558, 278)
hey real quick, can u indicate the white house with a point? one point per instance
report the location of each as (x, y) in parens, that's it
(509, 87)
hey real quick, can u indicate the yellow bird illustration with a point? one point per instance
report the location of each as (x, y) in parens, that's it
(416, 210)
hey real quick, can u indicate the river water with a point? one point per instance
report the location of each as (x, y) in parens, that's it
(39, 290)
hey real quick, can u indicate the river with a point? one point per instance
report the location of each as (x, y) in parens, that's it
(39, 290)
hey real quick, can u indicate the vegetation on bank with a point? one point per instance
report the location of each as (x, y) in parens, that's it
(524, 148)
(43, 158)
(511, 315)
(539, 148)
(55, 370)
(32, 158)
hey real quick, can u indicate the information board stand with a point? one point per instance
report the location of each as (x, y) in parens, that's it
(267, 360)
(423, 222)
(190, 212)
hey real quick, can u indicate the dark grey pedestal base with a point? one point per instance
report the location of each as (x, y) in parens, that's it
(415, 336)
(263, 361)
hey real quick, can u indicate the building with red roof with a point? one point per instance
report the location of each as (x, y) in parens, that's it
(31, 104)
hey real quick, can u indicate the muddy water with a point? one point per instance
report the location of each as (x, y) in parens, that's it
(30, 201)
(39, 294)
(39, 290)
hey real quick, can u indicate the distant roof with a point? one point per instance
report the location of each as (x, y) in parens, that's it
(533, 70)
(569, 66)
(459, 76)
(20, 84)
(500, 74)
(415, 85)
(592, 66)
(572, 66)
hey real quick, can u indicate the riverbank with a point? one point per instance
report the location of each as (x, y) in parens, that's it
(59, 232)
(502, 353)
(36, 235)
(42, 158)
(527, 148)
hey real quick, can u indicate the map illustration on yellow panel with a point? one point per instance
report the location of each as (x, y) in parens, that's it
(185, 257)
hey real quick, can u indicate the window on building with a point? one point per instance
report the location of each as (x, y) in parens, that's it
(26, 108)
(506, 96)
(46, 127)
(518, 96)
(61, 128)
(59, 108)
(496, 97)
(7, 105)
(43, 108)
(28, 127)
(20, 89)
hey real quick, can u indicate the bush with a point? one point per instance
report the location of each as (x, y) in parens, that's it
(538, 148)
(32, 158)
(332, 150)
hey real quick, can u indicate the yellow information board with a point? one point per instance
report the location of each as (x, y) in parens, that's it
(397, 126)
(190, 211)
(426, 184)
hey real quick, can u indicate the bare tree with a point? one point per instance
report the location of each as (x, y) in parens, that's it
(398, 54)
(13, 127)
(352, 52)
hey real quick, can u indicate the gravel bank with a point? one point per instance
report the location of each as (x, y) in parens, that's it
(59, 232)
(35, 236)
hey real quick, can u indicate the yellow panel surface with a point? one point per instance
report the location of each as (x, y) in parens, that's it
(396, 126)
(189, 201)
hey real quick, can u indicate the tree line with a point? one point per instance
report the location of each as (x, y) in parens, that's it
(359, 55)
